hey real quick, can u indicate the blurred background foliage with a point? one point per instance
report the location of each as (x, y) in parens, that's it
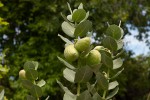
(32, 35)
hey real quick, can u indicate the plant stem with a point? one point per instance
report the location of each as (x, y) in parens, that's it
(105, 91)
(78, 89)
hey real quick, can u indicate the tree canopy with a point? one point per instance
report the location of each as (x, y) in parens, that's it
(32, 34)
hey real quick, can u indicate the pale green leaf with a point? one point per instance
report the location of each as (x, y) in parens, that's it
(65, 39)
(117, 63)
(66, 63)
(68, 29)
(113, 93)
(41, 83)
(112, 85)
(69, 74)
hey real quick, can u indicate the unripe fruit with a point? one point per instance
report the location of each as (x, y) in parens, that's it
(70, 53)
(99, 48)
(22, 74)
(83, 44)
(93, 58)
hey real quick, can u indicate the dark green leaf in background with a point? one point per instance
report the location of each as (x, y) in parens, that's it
(110, 43)
(83, 74)
(31, 74)
(82, 29)
(79, 15)
(114, 31)
(36, 91)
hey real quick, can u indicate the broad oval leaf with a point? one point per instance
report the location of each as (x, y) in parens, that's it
(36, 91)
(41, 83)
(29, 65)
(31, 74)
(82, 29)
(117, 63)
(114, 31)
(27, 84)
(66, 63)
(69, 74)
(106, 59)
(36, 64)
(68, 29)
(110, 43)
(113, 93)
(112, 85)
(102, 81)
(83, 74)
(84, 96)
(78, 15)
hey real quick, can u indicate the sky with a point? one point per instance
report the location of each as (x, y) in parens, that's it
(138, 47)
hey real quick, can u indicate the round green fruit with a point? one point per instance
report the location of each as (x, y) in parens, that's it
(70, 53)
(83, 44)
(22, 74)
(93, 58)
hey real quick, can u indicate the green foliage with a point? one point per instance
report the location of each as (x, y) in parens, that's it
(82, 72)
(29, 82)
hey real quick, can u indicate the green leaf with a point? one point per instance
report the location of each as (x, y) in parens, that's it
(65, 39)
(41, 83)
(36, 91)
(114, 31)
(47, 98)
(96, 96)
(84, 96)
(80, 6)
(102, 81)
(118, 73)
(36, 64)
(119, 44)
(66, 63)
(78, 15)
(117, 63)
(112, 85)
(69, 97)
(31, 74)
(29, 65)
(87, 15)
(29, 97)
(69, 7)
(110, 43)
(113, 93)
(2, 95)
(82, 29)
(69, 74)
(91, 88)
(68, 29)
(106, 59)
(67, 91)
(27, 84)
(83, 74)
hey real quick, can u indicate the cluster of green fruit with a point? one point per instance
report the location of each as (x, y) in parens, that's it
(72, 51)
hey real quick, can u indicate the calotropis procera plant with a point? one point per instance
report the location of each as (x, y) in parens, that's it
(30, 81)
(91, 69)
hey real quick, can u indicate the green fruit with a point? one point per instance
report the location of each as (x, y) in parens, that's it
(83, 44)
(99, 48)
(93, 58)
(22, 74)
(70, 53)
